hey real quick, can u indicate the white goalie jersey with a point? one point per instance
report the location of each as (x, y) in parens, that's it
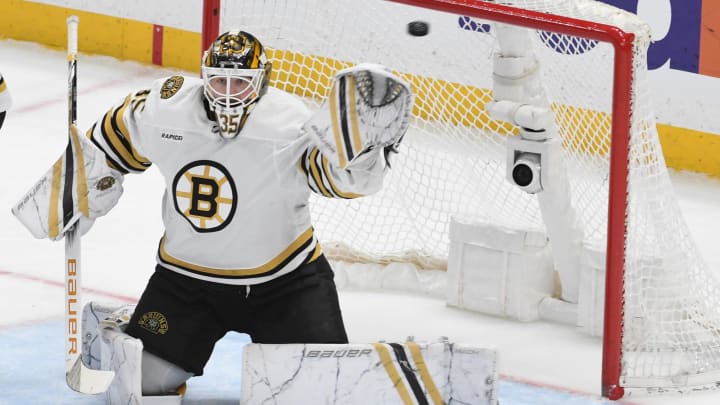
(235, 211)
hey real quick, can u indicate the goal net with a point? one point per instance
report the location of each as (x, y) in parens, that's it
(662, 323)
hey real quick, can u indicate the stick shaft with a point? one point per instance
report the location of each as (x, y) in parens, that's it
(78, 377)
(73, 297)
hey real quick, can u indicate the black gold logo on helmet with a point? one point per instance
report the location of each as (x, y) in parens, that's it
(205, 194)
(235, 49)
(154, 322)
(171, 86)
(232, 43)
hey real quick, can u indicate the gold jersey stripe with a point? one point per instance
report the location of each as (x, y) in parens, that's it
(120, 123)
(389, 365)
(118, 119)
(301, 163)
(138, 100)
(108, 133)
(425, 374)
(112, 165)
(117, 145)
(108, 160)
(139, 103)
(293, 249)
(334, 188)
(316, 173)
(316, 253)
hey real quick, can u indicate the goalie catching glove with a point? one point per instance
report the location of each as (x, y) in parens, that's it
(79, 187)
(368, 108)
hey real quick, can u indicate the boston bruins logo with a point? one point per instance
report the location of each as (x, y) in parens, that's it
(171, 86)
(205, 195)
(105, 183)
(154, 322)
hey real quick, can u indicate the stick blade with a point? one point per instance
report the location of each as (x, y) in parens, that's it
(86, 380)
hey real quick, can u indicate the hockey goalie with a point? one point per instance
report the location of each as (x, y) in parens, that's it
(240, 159)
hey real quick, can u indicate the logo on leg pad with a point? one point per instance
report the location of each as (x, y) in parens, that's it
(154, 322)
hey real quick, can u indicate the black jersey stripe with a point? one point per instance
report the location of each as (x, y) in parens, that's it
(111, 143)
(119, 145)
(319, 176)
(123, 133)
(305, 242)
(302, 163)
(141, 95)
(116, 132)
(315, 253)
(138, 100)
(111, 162)
(316, 174)
(409, 373)
(338, 193)
(110, 148)
(304, 168)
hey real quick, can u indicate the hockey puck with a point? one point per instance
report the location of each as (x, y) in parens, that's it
(418, 28)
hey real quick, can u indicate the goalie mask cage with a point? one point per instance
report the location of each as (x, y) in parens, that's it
(661, 313)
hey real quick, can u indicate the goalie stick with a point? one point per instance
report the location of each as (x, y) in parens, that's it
(78, 377)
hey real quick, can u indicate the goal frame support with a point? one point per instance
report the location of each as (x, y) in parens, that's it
(622, 43)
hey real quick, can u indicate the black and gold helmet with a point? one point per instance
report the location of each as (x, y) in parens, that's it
(236, 73)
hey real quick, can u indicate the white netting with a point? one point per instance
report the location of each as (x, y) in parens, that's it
(452, 162)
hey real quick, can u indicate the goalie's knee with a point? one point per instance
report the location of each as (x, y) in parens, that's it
(161, 377)
(139, 374)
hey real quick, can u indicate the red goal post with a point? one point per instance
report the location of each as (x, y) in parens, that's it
(622, 93)
(601, 108)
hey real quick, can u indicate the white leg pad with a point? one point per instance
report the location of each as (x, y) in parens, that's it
(122, 353)
(359, 374)
(95, 313)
